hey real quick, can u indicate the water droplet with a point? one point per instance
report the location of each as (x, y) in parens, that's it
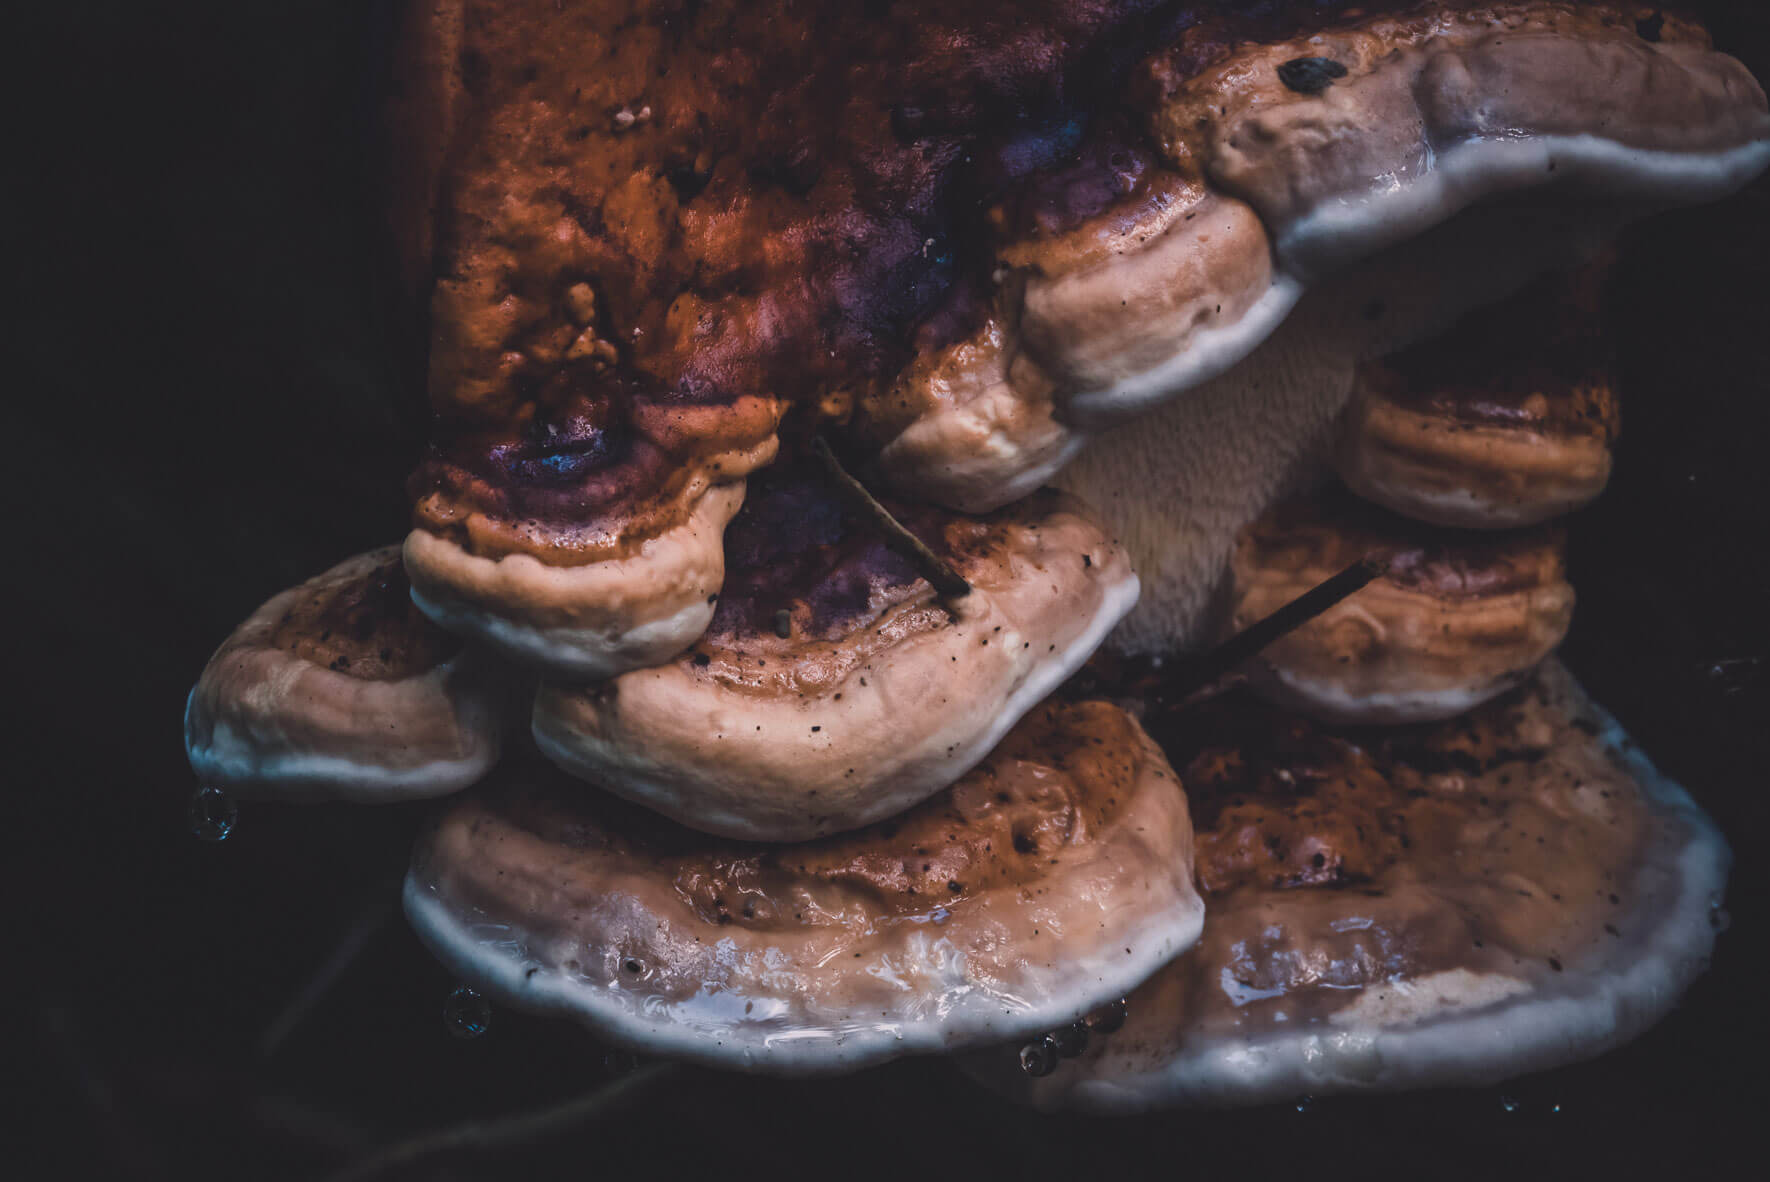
(1038, 1058)
(1555, 1110)
(1070, 1041)
(1718, 917)
(1108, 1018)
(1304, 1103)
(1509, 1104)
(466, 1013)
(212, 814)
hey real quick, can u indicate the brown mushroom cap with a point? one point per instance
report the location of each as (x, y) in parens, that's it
(1448, 905)
(1506, 420)
(340, 688)
(1456, 619)
(1366, 132)
(1045, 882)
(876, 696)
(1139, 275)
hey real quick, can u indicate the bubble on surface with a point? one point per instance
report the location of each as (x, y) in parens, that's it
(1039, 1058)
(466, 1013)
(212, 814)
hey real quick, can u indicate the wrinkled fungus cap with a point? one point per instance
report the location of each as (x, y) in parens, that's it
(1448, 905)
(1457, 618)
(1047, 881)
(1506, 420)
(340, 688)
(834, 687)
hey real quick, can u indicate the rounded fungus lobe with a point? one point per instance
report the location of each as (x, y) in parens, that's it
(1433, 107)
(1287, 145)
(1506, 420)
(339, 688)
(648, 235)
(1439, 906)
(834, 687)
(1456, 619)
(1044, 883)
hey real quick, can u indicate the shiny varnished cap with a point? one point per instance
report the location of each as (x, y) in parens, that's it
(1456, 618)
(835, 687)
(1506, 420)
(340, 688)
(1048, 880)
(1446, 905)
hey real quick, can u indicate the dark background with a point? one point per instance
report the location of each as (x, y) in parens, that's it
(211, 399)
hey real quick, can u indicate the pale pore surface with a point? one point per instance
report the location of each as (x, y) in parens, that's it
(1179, 485)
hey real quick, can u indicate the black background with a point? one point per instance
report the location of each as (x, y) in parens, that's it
(210, 398)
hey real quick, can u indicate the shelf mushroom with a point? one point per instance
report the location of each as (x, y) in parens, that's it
(835, 687)
(1044, 883)
(973, 256)
(1507, 420)
(1443, 906)
(339, 688)
(1135, 252)
(1455, 618)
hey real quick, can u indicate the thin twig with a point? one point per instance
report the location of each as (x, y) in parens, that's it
(520, 1129)
(368, 922)
(948, 583)
(1208, 667)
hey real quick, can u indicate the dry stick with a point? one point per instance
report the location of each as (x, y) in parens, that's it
(368, 923)
(948, 583)
(508, 1131)
(1196, 675)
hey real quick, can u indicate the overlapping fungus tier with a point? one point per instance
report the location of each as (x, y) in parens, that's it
(991, 831)
(367, 626)
(1334, 529)
(1538, 361)
(1334, 859)
(654, 228)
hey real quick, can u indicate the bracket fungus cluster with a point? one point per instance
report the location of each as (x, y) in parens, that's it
(757, 333)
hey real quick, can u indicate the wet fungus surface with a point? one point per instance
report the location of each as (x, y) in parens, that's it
(758, 335)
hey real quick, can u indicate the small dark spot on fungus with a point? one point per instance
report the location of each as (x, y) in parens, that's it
(783, 623)
(1555, 964)
(702, 660)
(1310, 75)
(1649, 27)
